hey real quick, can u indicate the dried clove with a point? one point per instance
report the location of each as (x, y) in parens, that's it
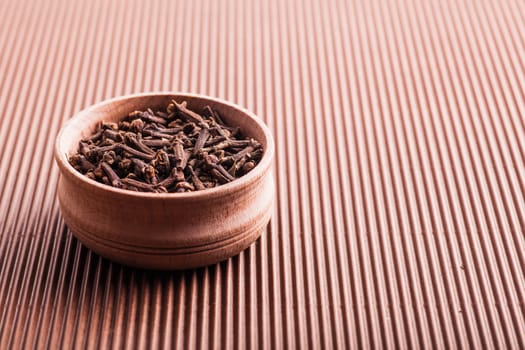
(112, 176)
(201, 140)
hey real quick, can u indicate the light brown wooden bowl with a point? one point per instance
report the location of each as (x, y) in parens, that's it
(169, 230)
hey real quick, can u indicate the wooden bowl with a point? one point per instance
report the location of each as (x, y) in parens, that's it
(168, 230)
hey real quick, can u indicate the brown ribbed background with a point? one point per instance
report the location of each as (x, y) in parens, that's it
(400, 133)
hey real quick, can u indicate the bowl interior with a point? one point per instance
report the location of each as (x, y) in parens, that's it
(85, 123)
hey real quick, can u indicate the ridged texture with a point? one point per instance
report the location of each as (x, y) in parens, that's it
(400, 133)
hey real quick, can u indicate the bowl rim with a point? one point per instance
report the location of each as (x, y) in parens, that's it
(239, 183)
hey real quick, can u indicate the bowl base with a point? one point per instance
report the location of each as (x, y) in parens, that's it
(167, 259)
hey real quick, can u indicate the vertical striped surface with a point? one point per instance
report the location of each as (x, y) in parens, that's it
(400, 133)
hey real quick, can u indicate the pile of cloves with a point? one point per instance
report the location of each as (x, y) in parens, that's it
(176, 150)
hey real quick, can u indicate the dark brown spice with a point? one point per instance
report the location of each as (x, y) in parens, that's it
(172, 150)
(112, 176)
